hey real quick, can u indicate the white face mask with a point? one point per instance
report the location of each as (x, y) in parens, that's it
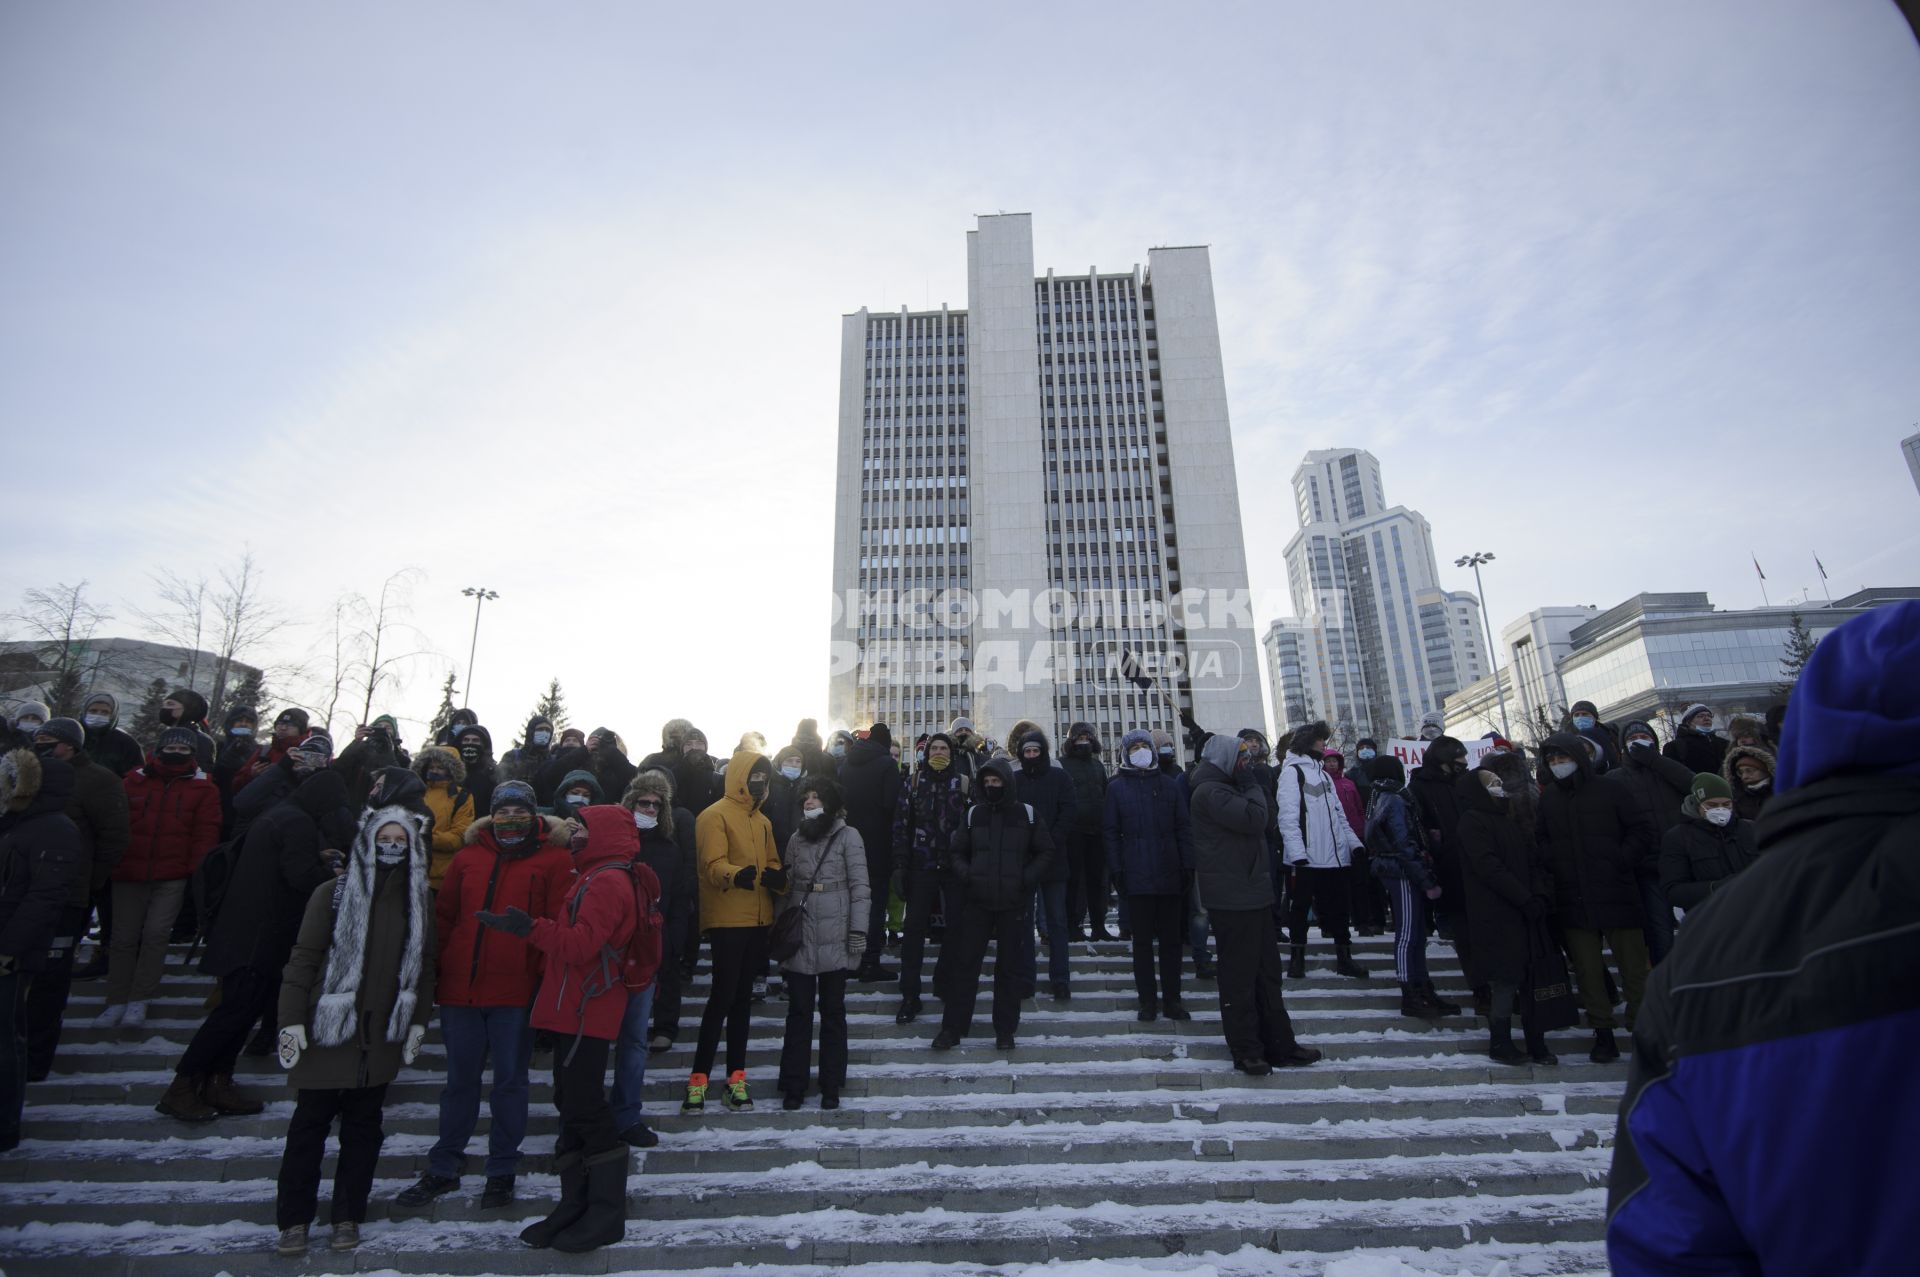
(810, 812)
(1496, 791)
(645, 820)
(790, 772)
(1563, 770)
(97, 720)
(541, 738)
(1639, 742)
(1719, 815)
(1141, 758)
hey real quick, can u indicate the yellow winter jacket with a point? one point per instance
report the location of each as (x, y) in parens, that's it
(730, 835)
(449, 822)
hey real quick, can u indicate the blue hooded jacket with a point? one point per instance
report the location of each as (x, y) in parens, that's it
(1771, 1116)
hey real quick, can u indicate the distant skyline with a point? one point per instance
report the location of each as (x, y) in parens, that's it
(548, 300)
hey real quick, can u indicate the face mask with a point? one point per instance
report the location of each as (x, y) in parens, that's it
(939, 762)
(389, 852)
(28, 725)
(578, 800)
(812, 813)
(790, 772)
(511, 831)
(541, 738)
(45, 748)
(839, 751)
(1719, 815)
(1368, 753)
(168, 717)
(1140, 757)
(992, 794)
(1563, 770)
(97, 720)
(176, 764)
(470, 752)
(1429, 733)
(1166, 751)
(438, 776)
(1758, 785)
(645, 820)
(1639, 742)
(1496, 791)
(241, 730)
(1582, 723)
(757, 787)
(1705, 731)
(919, 755)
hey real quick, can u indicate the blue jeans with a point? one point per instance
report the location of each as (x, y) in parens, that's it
(630, 1058)
(472, 1036)
(1050, 911)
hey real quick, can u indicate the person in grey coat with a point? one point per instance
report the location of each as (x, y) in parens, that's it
(826, 867)
(1229, 824)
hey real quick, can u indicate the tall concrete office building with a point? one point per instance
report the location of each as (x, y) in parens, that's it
(1031, 486)
(1375, 642)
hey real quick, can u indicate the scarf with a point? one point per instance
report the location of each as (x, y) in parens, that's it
(337, 1012)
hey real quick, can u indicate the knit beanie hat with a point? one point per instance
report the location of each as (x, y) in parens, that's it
(317, 748)
(64, 730)
(513, 793)
(177, 736)
(1707, 785)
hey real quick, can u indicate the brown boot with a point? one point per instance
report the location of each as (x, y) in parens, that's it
(227, 1099)
(182, 1101)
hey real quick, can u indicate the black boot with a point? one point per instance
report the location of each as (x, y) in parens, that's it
(1149, 1010)
(1433, 996)
(572, 1170)
(1500, 1047)
(1413, 1002)
(604, 1220)
(1297, 963)
(1537, 1043)
(1604, 1051)
(1343, 963)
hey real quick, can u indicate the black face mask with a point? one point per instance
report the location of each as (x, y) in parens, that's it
(1034, 766)
(757, 787)
(168, 717)
(992, 795)
(1082, 749)
(45, 748)
(470, 752)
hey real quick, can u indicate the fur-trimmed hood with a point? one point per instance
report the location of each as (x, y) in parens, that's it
(440, 755)
(1763, 757)
(673, 735)
(336, 1014)
(1078, 730)
(20, 776)
(553, 831)
(652, 784)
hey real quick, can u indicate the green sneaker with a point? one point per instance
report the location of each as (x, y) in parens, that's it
(736, 1097)
(696, 1101)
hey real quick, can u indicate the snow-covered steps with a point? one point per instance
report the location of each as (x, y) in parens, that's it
(1098, 1138)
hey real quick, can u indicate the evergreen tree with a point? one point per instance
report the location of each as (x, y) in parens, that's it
(146, 719)
(251, 692)
(1800, 643)
(552, 707)
(442, 717)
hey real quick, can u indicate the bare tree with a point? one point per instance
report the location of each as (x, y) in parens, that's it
(181, 618)
(245, 620)
(341, 665)
(387, 627)
(60, 622)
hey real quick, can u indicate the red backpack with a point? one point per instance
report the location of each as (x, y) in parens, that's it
(637, 962)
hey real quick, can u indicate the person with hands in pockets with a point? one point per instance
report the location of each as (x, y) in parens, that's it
(355, 999)
(828, 868)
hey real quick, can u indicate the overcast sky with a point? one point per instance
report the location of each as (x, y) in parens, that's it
(546, 298)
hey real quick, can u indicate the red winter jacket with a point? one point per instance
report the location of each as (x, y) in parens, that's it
(575, 997)
(174, 822)
(480, 967)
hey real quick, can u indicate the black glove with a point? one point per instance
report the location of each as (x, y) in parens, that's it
(745, 877)
(516, 922)
(1535, 909)
(774, 879)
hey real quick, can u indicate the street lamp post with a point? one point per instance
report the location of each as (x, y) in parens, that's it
(479, 595)
(1486, 618)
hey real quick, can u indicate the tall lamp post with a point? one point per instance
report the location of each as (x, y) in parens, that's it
(479, 595)
(1486, 618)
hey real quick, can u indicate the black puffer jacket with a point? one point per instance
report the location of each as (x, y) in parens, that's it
(1230, 823)
(1001, 854)
(1697, 857)
(870, 784)
(1595, 838)
(1697, 751)
(1436, 805)
(275, 874)
(1501, 871)
(1656, 781)
(1089, 780)
(42, 856)
(1049, 790)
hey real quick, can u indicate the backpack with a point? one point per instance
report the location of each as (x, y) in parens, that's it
(635, 964)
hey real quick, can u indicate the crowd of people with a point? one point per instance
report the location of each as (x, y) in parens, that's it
(560, 897)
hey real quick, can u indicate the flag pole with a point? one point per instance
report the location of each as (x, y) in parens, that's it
(1763, 580)
(1825, 588)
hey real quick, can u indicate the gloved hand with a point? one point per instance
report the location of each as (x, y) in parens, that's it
(856, 943)
(745, 877)
(293, 1040)
(416, 1034)
(1535, 910)
(774, 879)
(1433, 892)
(515, 921)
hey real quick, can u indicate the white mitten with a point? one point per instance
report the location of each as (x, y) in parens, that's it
(293, 1040)
(415, 1036)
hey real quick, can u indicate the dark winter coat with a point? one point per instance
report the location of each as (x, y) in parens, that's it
(112, 748)
(1149, 839)
(935, 809)
(1595, 838)
(826, 877)
(670, 850)
(1501, 872)
(1697, 751)
(1658, 783)
(870, 784)
(275, 873)
(1230, 818)
(1089, 776)
(1437, 805)
(360, 760)
(42, 855)
(576, 997)
(1048, 789)
(1003, 852)
(1392, 840)
(268, 787)
(480, 967)
(1698, 857)
(99, 808)
(482, 772)
(174, 822)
